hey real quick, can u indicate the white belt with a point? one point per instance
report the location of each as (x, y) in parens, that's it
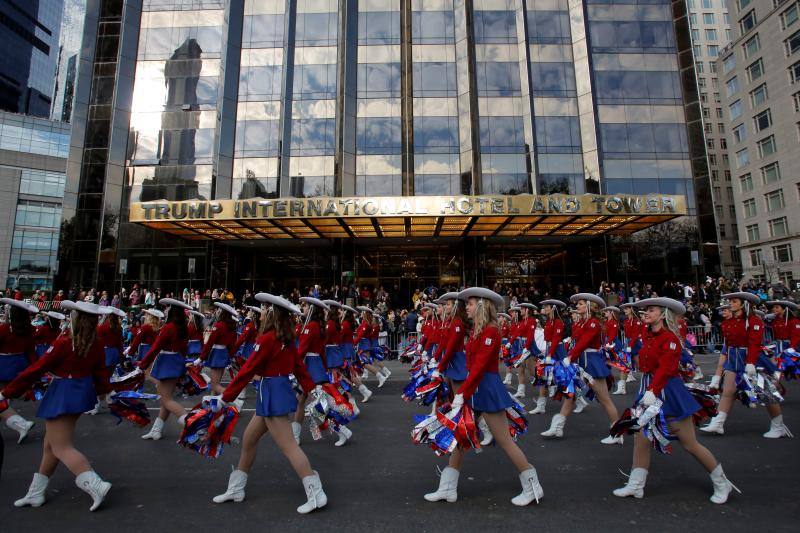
(219, 347)
(312, 354)
(331, 345)
(11, 354)
(164, 352)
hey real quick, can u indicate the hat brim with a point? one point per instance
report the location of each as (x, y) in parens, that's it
(482, 294)
(314, 301)
(170, 302)
(588, 297)
(230, 310)
(673, 305)
(25, 306)
(271, 299)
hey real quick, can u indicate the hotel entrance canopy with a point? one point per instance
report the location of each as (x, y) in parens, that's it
(522, 215)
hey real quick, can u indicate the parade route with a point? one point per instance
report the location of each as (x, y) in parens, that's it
(376, 482)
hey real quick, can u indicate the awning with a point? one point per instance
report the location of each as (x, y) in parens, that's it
(403, 217)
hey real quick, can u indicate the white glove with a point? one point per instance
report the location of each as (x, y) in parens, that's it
(435, 374)
(628, 349)
(424, 353)
(214, 402)
(508, 346)
(714, 382)
(2, 397)
(548, 360)
(790, 350)
(526, 352)
(197, 362)
(750, 369)
(566, 361)
(419, 347)
(458, 401)
(318, 388)
(609, 346)
(126, 351)
(776, 375)
(567, 340)
(648, 399)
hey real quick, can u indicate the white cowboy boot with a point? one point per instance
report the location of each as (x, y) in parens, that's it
(717, 424)
(365, 374)
(90, 483)
(381, 379)
(236, 484)
(448, 487)
(631, 378)
(777, 429)
(344, 436)
(580, 405)
(314, 493)
(635, 485)
(20, 425)
(620, 387)
(386, 372)
(365, 392)
(35, 496)
(155, 430)
(531, 488)
(556, 427)
(487, 433)
(507, 379)
(297, 429)
(356, 410)
(722, 487)
(612, 440)
(520, 391)
(541, 403)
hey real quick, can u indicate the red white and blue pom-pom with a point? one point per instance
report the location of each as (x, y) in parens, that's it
(571, 381)
(447, 429)
(123, 380)
(517, 423)
(707, 398)
(328, 409)
(209, 427)
(518, 359)
(409, 353)
(651, 421)
(762, 389)
(619, 359)
(789, 364)
(38, 389)
(193, 382)
(426, 390)
(126, 405)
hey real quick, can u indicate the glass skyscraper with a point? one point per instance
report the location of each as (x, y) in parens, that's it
(209, 100)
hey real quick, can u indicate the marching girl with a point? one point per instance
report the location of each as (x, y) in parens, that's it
(109, 332)
(504, 323)
(146, 335)
(274, 359)
(484, 392)
(574, 328)
(554, 350)
(785, 327)
(246, 340)
(725, 327)
(46, 333)
(77, 363)
(659, 360)
(348, 320)
(527, 329)
(586, 352)
(375, 347)
(744, 342)
(17, 351)
(611, 337)
(513, 344)
(167, 357)
(632, 330)
(312, 351)
(220, 346)
(363, 342)
(334, 359)
(196, 329)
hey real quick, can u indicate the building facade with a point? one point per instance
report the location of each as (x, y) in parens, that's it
(29, 32)
(204, 101)
(69, 46)
(33, 159)
(710, 26)
(761, 73)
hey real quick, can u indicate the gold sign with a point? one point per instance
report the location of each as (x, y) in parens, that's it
(408, 206)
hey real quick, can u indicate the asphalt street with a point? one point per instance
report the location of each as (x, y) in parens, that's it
(376, 482)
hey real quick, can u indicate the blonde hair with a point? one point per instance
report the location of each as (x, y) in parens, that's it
(83, 331)
(485, 315)
(153, 321)
(670, 319)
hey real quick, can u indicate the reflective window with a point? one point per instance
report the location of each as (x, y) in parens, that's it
(378, 80)
(435, 79)
(502, 134)
(631, 86)
(381, 27)
(313, 136)
(263, 31)
(432, 27)
(38, 214)
(308, 186)
(548, 27)
(553, 79)
(495, 26)
(315, 82)
(379, 135)
(435, 134)
(498, 79)
(42, 183)
(629, 36)
(260, 82)
(557, 134)
(257, 138)
(316, 29)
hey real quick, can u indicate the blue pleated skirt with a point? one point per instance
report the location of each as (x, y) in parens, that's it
(276, 397)
(218, 358)
(41, 349)
(194, 347)
(560, 352)
(112, 356)
(168, 365)
(457, 367)
(247, 350)
(334, 356)
(377, 351)
(594, 363)
(316, 368)
(143, 349)
(736, 360)
(11, 365)
(67, 396)
(491, 395)
(516, 347)
(348, 352)
(364, 346)
(678, 401)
